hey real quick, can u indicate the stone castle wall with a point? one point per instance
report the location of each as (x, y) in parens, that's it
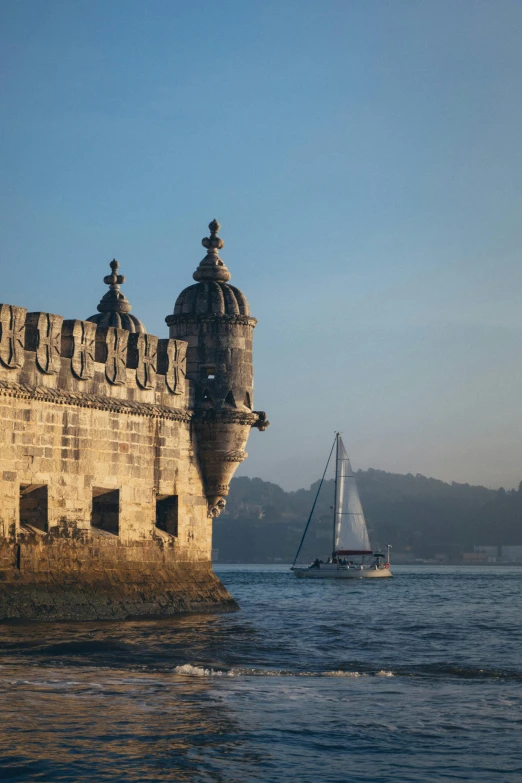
(100, 485)
(117, 449)
(69, 428)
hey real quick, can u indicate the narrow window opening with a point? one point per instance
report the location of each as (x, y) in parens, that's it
(206, 396)
(105, 513)
(248, 402)
(167, 513)
(229, 399)
(208, 371)
(34, 507)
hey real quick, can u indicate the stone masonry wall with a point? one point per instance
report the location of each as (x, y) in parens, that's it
(88, 413)
(72, 450)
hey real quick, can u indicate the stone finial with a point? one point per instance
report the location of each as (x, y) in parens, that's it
(114, 301)
(213, 241)
(212, 267)
(114, 309)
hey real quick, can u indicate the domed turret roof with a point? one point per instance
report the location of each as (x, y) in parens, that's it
(114, 309)
(212, 294)
(211, 298)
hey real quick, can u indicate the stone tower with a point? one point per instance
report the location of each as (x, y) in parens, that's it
(214, 318)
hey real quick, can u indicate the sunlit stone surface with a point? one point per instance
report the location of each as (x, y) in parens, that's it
(116, 451)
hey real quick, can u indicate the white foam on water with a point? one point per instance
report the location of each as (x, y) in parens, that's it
(188, 669)
(197, 671)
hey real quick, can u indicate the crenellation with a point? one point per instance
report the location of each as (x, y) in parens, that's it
(172, 364)
(143, 357)
(43, 336)
(112, 351)
(78, 345)
(12, 335)
(117, 451)
(42, 351)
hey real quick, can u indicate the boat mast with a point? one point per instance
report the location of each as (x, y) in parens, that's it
(314, 503)
(335, 491)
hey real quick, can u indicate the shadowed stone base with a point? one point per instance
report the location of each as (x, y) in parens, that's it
(52, 580)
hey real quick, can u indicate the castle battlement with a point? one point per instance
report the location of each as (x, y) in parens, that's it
(80, 357)
(117, 449)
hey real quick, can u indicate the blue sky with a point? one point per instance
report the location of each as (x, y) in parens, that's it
(364, 159)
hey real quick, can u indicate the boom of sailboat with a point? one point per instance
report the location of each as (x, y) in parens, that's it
(352, 556)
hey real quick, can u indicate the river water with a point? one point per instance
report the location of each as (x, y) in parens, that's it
(416, 678)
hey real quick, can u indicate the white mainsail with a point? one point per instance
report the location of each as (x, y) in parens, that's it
(351, 534)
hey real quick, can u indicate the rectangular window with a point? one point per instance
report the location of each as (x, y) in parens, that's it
(105, 513)
(167, 513)
(34, 505)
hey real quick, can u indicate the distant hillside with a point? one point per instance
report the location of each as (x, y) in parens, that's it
(422, 517)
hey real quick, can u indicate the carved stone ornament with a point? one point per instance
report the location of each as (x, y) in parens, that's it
(12, 335)
(262, 422)
(93, 401)
(176, 369)
(215, 509)
(44, 335)
(79, 344)
(114, 309)
(212, 267)
(147, 362)
(116, 341)
(218, 489)
(214, 455)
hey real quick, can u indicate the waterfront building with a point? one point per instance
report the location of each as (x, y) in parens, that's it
(118, 448)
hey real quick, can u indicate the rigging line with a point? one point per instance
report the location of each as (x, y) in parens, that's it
(315, 501)
(336, 504)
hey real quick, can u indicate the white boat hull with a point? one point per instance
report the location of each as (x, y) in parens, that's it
(327, 571)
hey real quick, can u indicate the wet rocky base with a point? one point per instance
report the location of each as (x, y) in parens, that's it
(50, 579)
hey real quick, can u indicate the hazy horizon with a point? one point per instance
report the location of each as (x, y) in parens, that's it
(364, 161)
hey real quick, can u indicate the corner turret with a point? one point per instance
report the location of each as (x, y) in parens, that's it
(214, 318)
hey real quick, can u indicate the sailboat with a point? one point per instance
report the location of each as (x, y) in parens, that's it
(352, 556)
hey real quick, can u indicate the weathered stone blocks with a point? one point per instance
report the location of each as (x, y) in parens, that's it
(214, 319)
(117, 448)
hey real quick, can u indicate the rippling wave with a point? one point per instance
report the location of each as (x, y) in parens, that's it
(190, 670)
(418, 679)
